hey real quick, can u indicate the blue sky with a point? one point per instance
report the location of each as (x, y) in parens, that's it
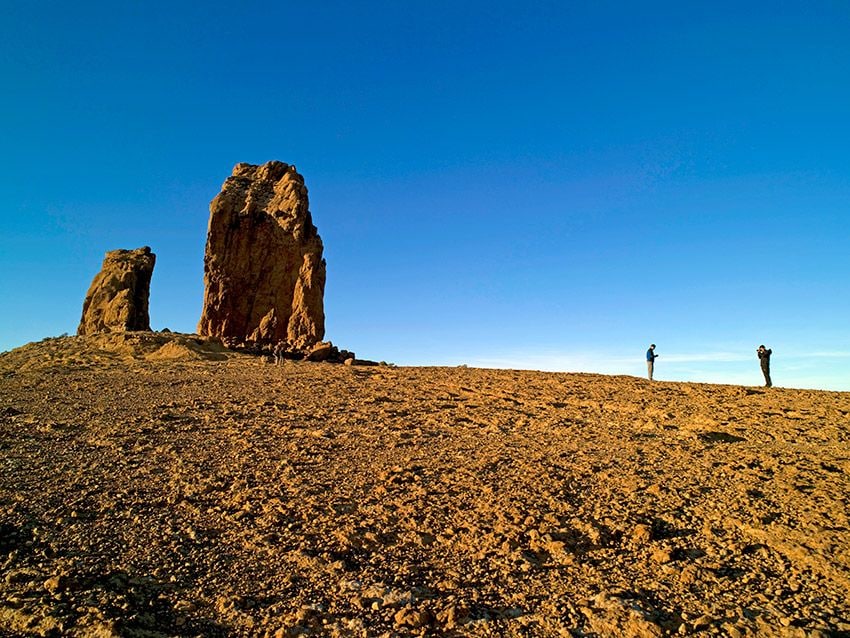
(544, 185)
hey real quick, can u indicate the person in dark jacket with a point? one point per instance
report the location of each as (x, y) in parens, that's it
(764, 359)
(650, 360)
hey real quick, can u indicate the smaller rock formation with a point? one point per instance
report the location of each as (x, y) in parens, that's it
(117, 300)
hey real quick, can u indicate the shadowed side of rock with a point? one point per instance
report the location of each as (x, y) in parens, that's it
(264, 275)
(117, 299)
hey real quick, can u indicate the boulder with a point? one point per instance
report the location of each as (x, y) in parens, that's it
(351, 361)
(264, 275)
(117, 300)
(322, 351)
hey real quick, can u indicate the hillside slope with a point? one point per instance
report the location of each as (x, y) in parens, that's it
(207, 493)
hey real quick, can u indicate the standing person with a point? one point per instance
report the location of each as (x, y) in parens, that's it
(764, 359)
(279, 351)
(650, 360)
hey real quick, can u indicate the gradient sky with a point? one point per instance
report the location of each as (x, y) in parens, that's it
(546, 185)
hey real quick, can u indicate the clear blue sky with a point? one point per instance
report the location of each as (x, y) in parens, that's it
(549, 185)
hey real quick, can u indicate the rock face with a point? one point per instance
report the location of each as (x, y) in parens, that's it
(264, 276)
(117, 300)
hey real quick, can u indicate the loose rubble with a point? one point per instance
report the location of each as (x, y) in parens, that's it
(217, 494)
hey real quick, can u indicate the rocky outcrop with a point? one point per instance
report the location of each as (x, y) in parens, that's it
(264, 276)
(117, 300)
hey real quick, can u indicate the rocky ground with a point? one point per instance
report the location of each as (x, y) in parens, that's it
(158, 486)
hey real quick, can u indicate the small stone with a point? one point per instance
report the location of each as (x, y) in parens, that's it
(732, 631)
(689, 575)
(185, 606)
(452, 615)
(703, 622)
(641, 534)
(414, 618)
(56, 583)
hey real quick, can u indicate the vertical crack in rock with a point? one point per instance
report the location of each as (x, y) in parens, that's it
(264, 275)
(117, 299)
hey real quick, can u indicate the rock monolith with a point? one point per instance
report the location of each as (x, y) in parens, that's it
(117, 299)
(264, 275)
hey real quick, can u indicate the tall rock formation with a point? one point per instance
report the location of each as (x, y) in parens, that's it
(264, 276)
(117, 299)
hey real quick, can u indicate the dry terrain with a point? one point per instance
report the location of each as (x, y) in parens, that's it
(155, 485)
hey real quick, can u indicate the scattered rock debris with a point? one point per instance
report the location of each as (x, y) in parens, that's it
(209, 493)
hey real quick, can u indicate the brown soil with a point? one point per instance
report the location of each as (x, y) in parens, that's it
(198, 492)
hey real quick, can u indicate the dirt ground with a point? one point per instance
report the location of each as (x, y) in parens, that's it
(158, 486)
